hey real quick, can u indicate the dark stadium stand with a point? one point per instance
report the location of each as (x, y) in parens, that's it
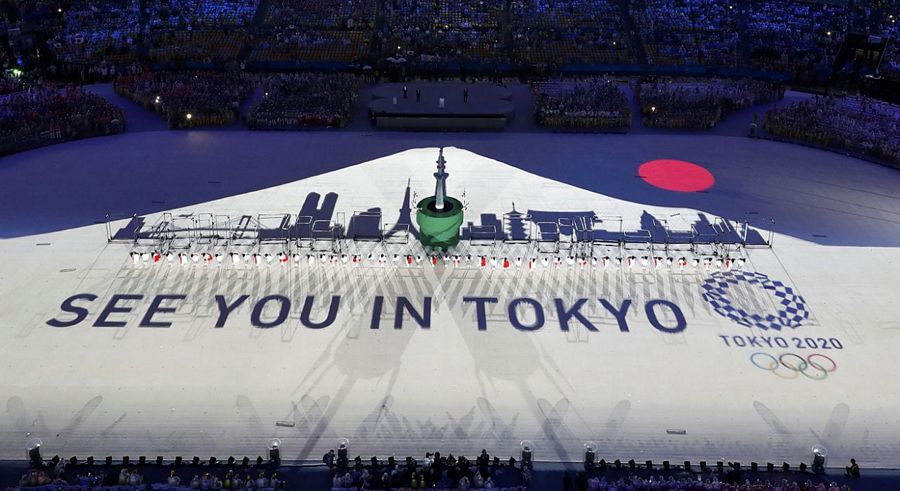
(545, 477)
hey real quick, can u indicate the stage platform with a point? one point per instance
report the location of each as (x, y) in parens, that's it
(651, 361)
(441, 106)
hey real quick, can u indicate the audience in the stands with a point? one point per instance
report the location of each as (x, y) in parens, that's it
(188, 99)
(47, 115)
(304, 100)
(596, 104)
(857, 125)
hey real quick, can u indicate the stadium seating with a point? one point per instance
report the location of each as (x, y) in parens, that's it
(855, 124)
(45, 116)
(591, 105)
(294, 101)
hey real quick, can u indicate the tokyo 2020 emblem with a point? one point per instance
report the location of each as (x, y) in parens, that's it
(754, 300)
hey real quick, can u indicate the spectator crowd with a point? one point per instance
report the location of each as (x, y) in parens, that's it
(800, 38)
(697, 104)
(57, 476)
(434, 471)
(206, 32)
(794, 37)
(305, 100)
(693, 483)
(208, 47)
(188, 99)
(46, 115)
(596, 104)
(88, 41)
(693, 32)
(557, 32)
(428, 34)
(9, 84)
(315, 31)
(857, 125)
(98, 31)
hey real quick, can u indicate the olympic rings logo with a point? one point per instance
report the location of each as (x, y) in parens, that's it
(789, 366)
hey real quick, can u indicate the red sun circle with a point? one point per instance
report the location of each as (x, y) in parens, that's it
(676, 175)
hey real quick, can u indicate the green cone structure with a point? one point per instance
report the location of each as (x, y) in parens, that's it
(440, 216)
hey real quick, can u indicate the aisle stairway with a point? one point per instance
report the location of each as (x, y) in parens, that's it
(256, 25)
(638, 50)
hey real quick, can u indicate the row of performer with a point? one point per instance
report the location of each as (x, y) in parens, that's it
(417, 260)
